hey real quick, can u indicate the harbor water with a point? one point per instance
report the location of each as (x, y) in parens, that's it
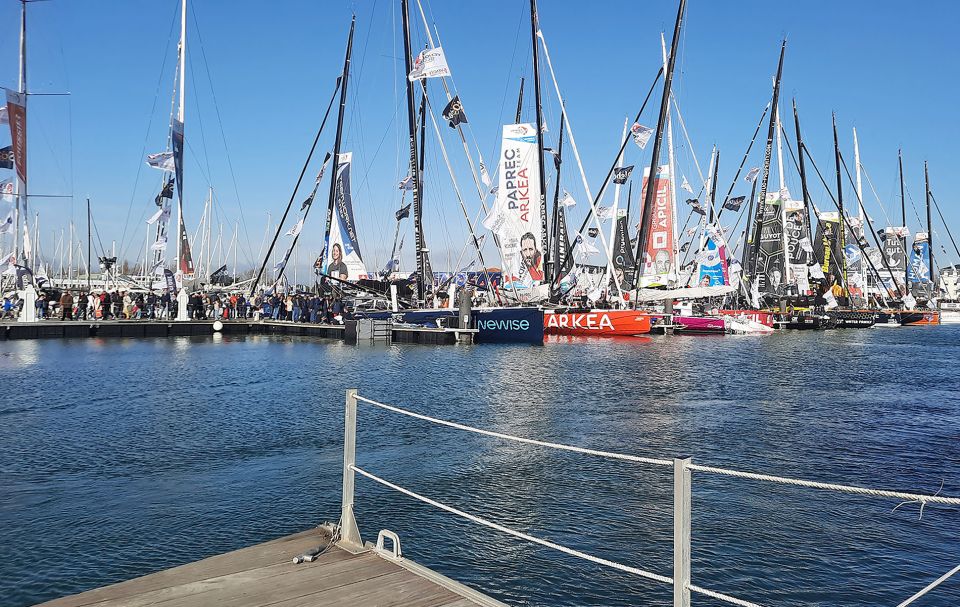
(123, 457)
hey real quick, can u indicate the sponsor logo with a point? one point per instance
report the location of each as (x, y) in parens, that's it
(503, 325)
(593, 321)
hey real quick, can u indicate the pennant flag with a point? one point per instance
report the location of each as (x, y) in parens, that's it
(295, 230)
(162, 161)
(160, 244)
(622, 174)
(153, 218)
(641, 134)
(685, 185)
(752, 175)
(406, 183)
(165, 192)
(691, 231)
(567, 199)
(685, 247)
(696, 206)
(556, 157)
(585, 248)
(404, 211)
(323, 167)
(735, 203)
(22, 272)
(430, 63)
(484, 175)
(6, 157)
(454, 113)
(592, 232)
(219, 274)
(309, 200)
(604, 213)
(495, 189)
(17, 119)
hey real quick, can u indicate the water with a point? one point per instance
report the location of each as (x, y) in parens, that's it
(123, 457)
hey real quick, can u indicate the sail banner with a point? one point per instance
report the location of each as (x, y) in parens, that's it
(17, 117)
(659, 257)
(828, 234)
(713, 263)
(430, 63)
(186, 259)
(343, 258)
(515, 216)
(799, 249)
(171, 281)
(177, 142)
(894, 247)
(623, 260)
(565, 260)
(918, 272)
(770, 254)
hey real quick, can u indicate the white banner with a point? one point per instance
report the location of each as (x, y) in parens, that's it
(162, 161)
(343, 257)
(430, 63)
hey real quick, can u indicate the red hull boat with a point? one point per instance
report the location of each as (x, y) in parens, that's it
(597, 323)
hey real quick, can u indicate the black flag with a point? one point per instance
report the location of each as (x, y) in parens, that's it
(882, 235)
(308, 201)
(21, 272)
(219, 274)
(622, 174)
(166, 192)
(168, 277)
(592, 232)
(454, 113)
(697, 207)
(403, 212)
(556, 157)
(734, 204)
(6, 157)
(684, 247)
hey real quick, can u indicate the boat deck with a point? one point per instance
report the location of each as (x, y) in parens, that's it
(265, 575)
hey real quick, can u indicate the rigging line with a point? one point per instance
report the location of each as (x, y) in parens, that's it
(513, 62)
(743, 162)
(199, 119)
(944, 221)
(875, 194)
(146, 136)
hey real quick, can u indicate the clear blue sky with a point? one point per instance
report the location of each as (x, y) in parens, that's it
(888, 70)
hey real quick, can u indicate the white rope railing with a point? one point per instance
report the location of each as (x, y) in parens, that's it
(912, 497)
(726, 598)
(930, 586)
(520, 439)
(546, 543)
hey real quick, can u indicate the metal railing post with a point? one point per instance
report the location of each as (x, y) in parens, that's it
(682, 504)
(349, 532)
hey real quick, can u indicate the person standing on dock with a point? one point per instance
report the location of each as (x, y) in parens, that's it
(66, 306)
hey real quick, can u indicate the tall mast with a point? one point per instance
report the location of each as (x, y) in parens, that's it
(673, 169)
(555, 224)
(926, 187)
(780, 174)
(520, 100)
(803, 173)
(616, 197)
(22, 88)
(89, 245)
(903, 217)
(765, 180)
(843, 217)
(412, 132)
(863, 225)
(544, 236)
(655, 156)
(182, 70)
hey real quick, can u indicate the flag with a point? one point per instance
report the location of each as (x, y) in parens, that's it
(430, 63)
(585, 247)
(604, 213)
(176, 140)
(592, 232)
(6, 157)
(157, 269)
(805, 244)
(4, 115)
(752, 175)
(691, 231)
(17, 119)
(641, 134)
(153, 218)
(219, 274)
(295, 230)
(162, 161)
(556, 157)
(165, 192)
(27, 249)
(404, 211)
(7, 191)
(23, 271)
(160, 244)
(323, 167)
(454, 113)
(882, 234)
(567, 199)
(406, 183)
(735, 203)
(7, 225)
(495, 189)
(309, 199)
(484, 175)
(696, 206)
(684, 247)
(685, 185)
(622, 174)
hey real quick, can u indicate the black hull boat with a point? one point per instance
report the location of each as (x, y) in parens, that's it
(852, 319)
(801, 321)
(520, 325)
(887, 318)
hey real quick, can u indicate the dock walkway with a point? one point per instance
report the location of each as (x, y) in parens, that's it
(265, 575)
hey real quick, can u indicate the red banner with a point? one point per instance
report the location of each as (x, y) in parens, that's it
(17, 114)
(659, 263)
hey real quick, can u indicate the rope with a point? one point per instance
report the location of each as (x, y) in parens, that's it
(931, 586)
(721, 597)
(922, 499)
(529, 441)
(546, 543)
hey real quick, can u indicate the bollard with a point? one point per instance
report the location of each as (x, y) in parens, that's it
(349, 532)
(682, 504)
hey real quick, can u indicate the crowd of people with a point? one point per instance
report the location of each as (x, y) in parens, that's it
(201, 305)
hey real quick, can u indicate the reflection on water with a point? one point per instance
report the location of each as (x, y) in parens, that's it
(136, 455)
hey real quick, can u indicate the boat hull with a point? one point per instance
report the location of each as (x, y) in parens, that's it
(852, 319)
(699, 325)
(802, 322)
(596, 323)
(760, 316)
(520, 325)
(887, 318)
(913, 318)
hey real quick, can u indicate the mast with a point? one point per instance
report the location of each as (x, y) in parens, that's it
(427, 270)
(519, 100)
(780, 174)
(863, 225)
(544, 236)
(182, 69)
(655, 156)
(803, 174)
(22, 88)
(843, 220)
(412, 132)
(616, 202)
(89, 246)
(903, 216)
(764, 182)
(926, 187)
(555, 256)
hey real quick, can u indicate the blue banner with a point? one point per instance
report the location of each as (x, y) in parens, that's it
(918, 271)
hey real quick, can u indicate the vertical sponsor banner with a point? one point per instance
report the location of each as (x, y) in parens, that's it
(623, 260)
(515, 216)
(177, 139)
(894, 247)
(918, 271)
(827, 245)
(659, 264)
(799, 252)
(17, 116)
(771, 275)
(853, 236)
(565, 262)
(186, 259)
(171, 282)
(343, 258)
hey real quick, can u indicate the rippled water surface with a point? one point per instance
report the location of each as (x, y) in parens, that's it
(123, 457)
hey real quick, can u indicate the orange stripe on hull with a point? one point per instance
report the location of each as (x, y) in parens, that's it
(597, 323)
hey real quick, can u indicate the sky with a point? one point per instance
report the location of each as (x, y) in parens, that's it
(260, 75)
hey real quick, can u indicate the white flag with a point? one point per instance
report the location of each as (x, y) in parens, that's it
(157, 269)
(496, 220)
(162, 161)
(585, 248)
(805, 244)
(430, 63)
(27, 249)
(4, 117)
(752, 175)
(7, 191)
(909, 302)
(7, 226)
(406, 183)
(153, 218)
(830, 299)
(816, 271)
(567, 199)
(484, 175)
(160, 245)
(295, 229)
(685, 185)
(604, 213)
(641, 134)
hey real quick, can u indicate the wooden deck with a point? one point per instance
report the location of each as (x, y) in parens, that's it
(264, 575)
